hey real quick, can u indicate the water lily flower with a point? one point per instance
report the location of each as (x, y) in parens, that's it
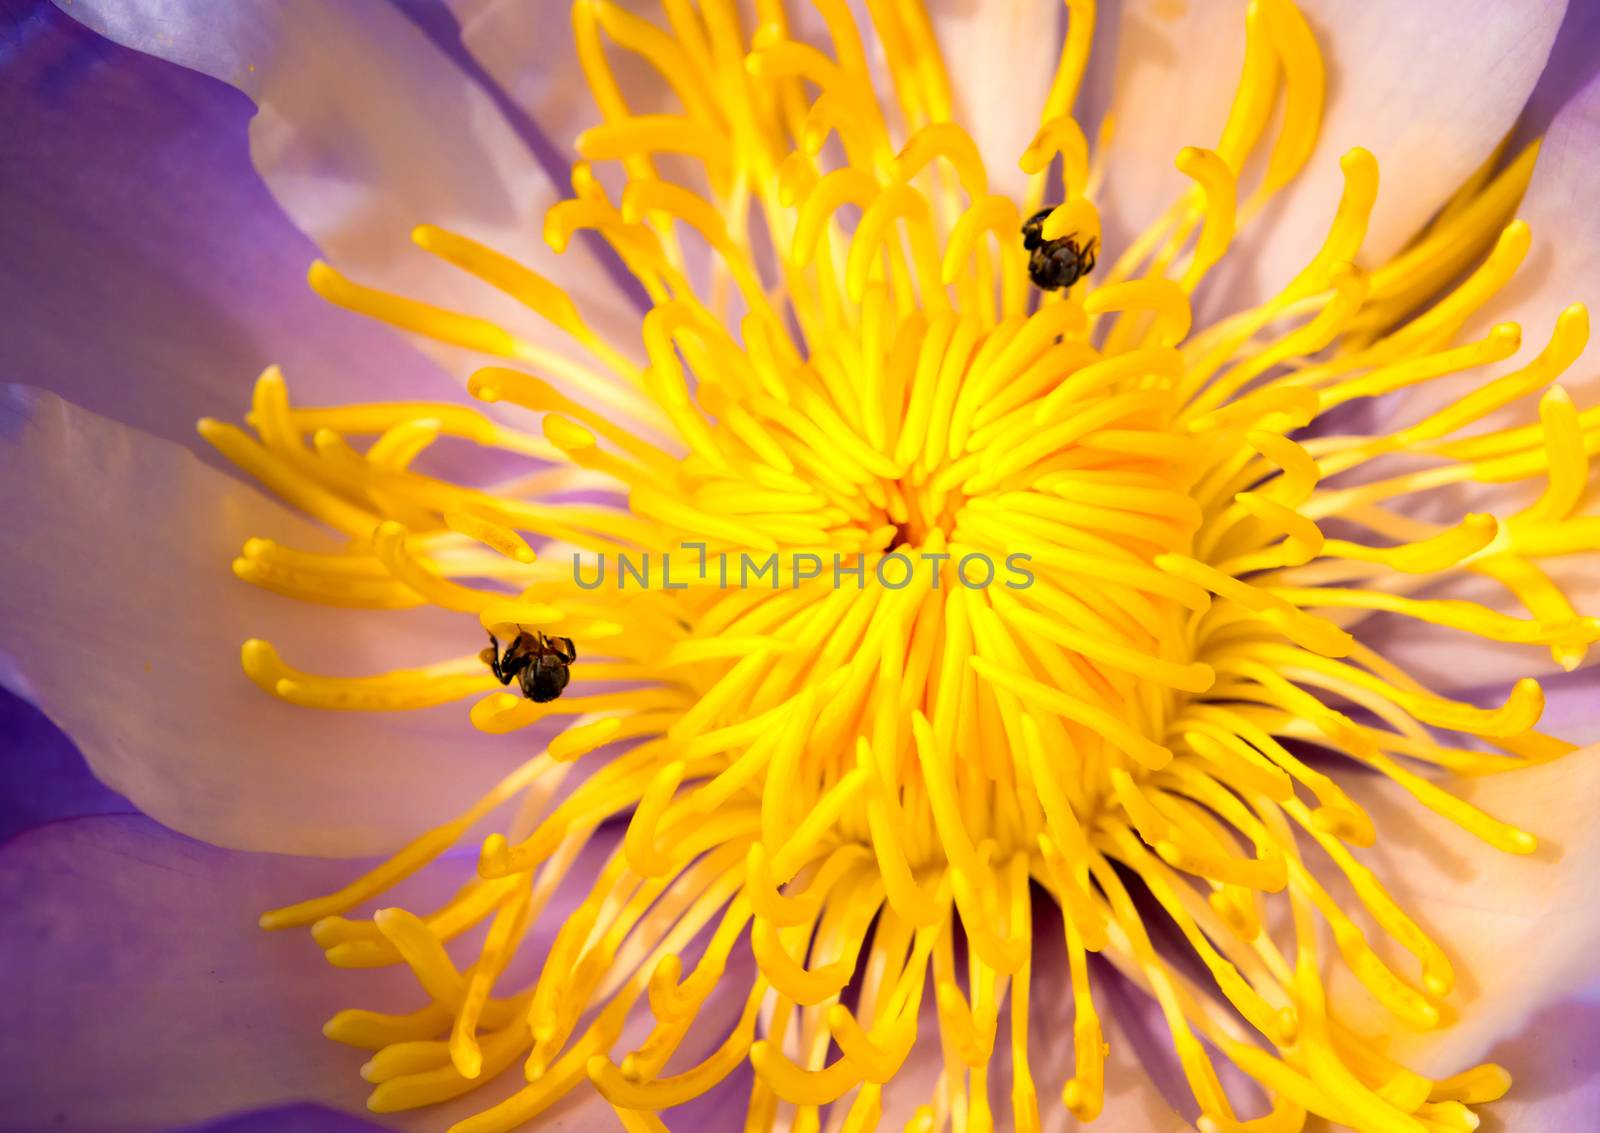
(1161, 436)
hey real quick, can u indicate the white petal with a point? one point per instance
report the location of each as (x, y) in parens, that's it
(365, 130)
(120, 613)
(1429, 87)
(1001, 58)
(1522, 932)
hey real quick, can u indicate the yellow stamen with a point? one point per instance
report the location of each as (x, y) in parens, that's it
(818, 780)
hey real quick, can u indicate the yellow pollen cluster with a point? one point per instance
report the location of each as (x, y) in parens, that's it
(850, 804)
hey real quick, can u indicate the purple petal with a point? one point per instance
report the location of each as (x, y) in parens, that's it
(1571, 705)
(366, 129)
(1574, 60)
(302, 1118)
(150, 275)
(140, 993)
(42, 777)
(1563, 264)
(1555, 1076)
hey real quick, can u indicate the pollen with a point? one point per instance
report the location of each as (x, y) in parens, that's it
(844, 806)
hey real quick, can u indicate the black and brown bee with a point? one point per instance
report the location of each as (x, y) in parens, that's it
(1058, 263)
(538, 663)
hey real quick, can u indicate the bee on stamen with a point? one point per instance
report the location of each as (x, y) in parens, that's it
(539, 664)
(1055, 264)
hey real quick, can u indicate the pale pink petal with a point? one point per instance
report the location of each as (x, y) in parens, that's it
(122, 620)
(1001, 59)
(1429, 88)
(1522, 932)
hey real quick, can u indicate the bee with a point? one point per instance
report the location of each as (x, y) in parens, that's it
(1054, 264)
(536, 662)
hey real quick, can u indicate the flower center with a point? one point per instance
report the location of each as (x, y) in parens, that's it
(1099, 681)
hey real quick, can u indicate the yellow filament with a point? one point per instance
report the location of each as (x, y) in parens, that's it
(1064, 137)
(1217, 184)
